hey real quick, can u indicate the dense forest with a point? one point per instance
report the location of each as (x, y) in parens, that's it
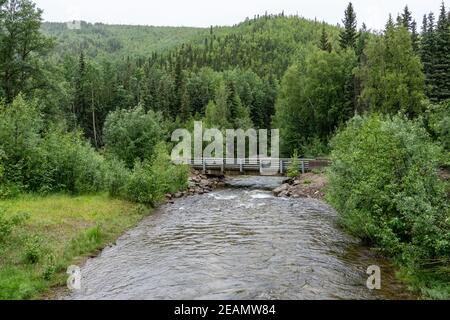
(92, 109)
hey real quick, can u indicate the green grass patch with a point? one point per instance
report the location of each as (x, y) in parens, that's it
(42, 236)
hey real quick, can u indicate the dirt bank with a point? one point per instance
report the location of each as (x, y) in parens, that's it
(308, 185)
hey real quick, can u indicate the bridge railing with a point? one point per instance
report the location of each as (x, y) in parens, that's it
(261, 165)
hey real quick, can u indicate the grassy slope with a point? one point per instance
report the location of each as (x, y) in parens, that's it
(61, 230)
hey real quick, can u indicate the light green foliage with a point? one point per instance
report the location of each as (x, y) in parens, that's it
(151, 180)
(58, 231)
(117, 41)
(132, 135)
(217, 111)
(384, 184)
(44, 162)
(117, 177)
(7, 224)
(392, 77)
(294, 168)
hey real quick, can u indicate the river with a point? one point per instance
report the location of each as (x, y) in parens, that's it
(239, 242)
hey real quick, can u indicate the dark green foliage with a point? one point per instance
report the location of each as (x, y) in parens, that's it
(132, 135)
(324, 41)
(349, 34)
(437, 121)
(384, 183)
(315, 99)
(435, 45)
(21, 43)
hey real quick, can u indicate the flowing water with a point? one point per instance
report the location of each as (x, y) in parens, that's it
(237, 243)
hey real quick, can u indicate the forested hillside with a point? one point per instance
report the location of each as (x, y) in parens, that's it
(92, 110)
(115, 41)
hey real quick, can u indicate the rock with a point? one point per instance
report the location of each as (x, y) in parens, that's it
(281, 189)
(178, 195)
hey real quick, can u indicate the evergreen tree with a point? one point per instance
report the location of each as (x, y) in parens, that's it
(415, 37)
(324, 41)
(406, 18)
(389, 24)
(80, 103)
(349, 34)
(441, 70)
(363, 36)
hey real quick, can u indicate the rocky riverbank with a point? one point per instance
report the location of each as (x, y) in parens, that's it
(199, 184)
(308, 185)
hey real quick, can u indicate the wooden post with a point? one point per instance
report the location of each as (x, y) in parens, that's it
(303, 166)
(281, 167)
(204, 166)
(241, 165)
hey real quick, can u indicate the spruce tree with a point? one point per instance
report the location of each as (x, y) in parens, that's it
(325, 44)
(427, 51)
(415, 36)
(406, 18)
(390, 23)
(349, 34)
(441, 71)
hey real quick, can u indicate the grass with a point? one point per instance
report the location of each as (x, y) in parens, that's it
(59, 231)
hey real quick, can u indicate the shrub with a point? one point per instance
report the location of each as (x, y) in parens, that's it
(33, 160)
(20, 125)
(117, 177)
(67, 163)
(33, 249)
(150, 181)
(7, 224)
(294, 168)
(132, 135)
(384, 184)
(140, 187)
(437, 121)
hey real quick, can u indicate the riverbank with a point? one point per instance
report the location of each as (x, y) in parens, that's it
(54, 232)
(308, 185)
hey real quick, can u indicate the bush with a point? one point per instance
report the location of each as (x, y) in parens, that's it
(140, 187)
(7, 225)
(384, 184)
(33, 249)
(20, 125)
(132, 135)
(32, 160)
(294, 168)
(437, 121)
(151, 181)
(68, 163)
(117, 178)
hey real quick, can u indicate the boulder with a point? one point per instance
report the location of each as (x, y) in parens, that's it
(281, 189)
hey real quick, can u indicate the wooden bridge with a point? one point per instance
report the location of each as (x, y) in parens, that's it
(254, 166)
